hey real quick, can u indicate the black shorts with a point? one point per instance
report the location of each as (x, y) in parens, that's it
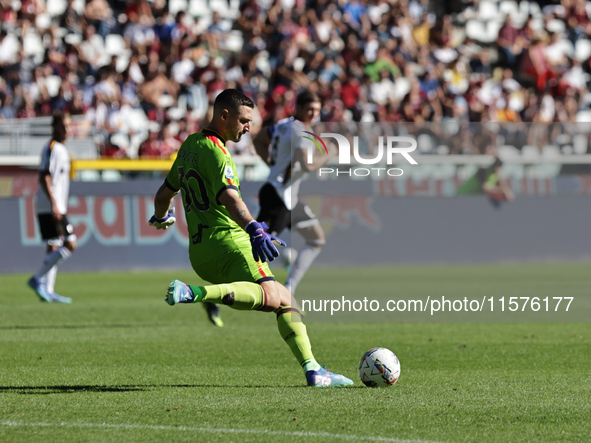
(277, 216)
(53, 230)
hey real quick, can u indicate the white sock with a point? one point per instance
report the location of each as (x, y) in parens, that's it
(50, 279)
(306, 257)
(52, 259)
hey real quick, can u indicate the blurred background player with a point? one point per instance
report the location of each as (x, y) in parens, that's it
(487, 181)
(278, 197)
(52, 206)
(229, 248)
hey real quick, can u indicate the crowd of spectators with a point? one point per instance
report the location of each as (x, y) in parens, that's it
(143, 73)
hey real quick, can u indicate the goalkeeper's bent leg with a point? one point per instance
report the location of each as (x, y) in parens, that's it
(243, 296)
(269, 296)
(290, 325)
(293, 331)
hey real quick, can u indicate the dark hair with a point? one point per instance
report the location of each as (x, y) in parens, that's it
(305, 97)
(498, 163)
(231, 99)
(58, 126)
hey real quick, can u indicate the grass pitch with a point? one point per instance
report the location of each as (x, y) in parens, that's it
(121, 365)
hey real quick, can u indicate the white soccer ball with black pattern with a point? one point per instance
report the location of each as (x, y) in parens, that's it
(379, 367)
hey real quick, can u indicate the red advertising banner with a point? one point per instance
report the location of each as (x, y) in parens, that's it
(110, 220)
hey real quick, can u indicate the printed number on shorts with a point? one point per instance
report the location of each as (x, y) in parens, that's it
(201, 201)
(199, 235)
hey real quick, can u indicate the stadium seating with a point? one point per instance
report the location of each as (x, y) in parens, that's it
(279, 40)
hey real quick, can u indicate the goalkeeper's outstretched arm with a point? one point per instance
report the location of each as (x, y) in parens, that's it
(236, 207)
(163, 217)
(163, 201)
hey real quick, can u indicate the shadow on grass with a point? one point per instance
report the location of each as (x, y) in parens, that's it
(96, 326)
(64, 389)
(254, 386)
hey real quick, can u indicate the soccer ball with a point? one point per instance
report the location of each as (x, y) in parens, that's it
(379, 367)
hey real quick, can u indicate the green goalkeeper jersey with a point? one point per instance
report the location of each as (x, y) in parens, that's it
(202, 170)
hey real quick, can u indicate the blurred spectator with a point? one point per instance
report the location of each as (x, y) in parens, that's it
(71, 20)
(122, 64)
(91, 48)
(99, 14)
(156, 85)
(574, 77)
(510, 43)
(139, 32)
(536, 65)
(8, 49)
(161, 142)
(383, 91)
(151, 147)
(169, 145)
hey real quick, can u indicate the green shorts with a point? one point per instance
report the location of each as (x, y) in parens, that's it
(232, 262)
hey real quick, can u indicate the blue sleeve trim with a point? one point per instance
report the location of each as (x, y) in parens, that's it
(217, 197)
(169, 186)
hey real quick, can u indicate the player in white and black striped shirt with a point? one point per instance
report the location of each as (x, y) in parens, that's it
(283, 147)
(52, 206)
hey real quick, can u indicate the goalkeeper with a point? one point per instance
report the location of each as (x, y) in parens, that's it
(227, 246)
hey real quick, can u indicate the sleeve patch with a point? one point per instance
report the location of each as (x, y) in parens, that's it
(229, 172)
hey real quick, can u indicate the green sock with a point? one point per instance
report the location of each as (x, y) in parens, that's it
(244, 296)
(295, 335)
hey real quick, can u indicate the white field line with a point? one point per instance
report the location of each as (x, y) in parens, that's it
(211, 430)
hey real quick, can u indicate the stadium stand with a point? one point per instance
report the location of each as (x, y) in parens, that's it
(121, 65)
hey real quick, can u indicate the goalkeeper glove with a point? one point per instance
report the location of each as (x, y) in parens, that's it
(263, 244)
(162, 223)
